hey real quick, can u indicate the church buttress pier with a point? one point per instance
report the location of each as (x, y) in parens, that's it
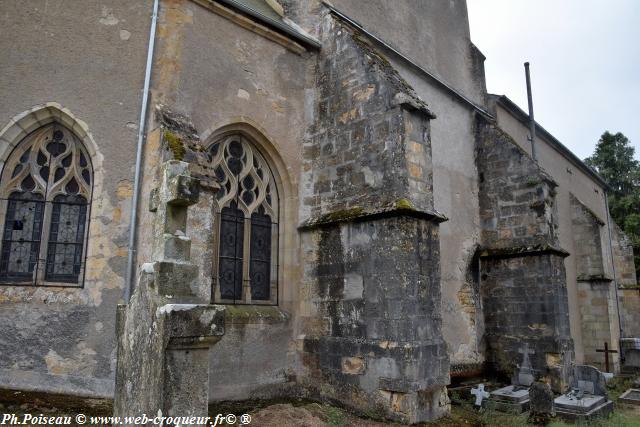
(373, 335)
(522, 272)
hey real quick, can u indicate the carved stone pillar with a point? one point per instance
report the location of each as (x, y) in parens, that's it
(166, 330)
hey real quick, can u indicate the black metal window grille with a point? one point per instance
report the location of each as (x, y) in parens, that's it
(231, 251)
(247, 236)
(48, 180)
(66, 239)
(260, 261)
(21, 237)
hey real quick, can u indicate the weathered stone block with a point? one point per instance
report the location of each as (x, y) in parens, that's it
(173, 247)
(353, 365)
(182, 191)
(378, 286)
(174, 279)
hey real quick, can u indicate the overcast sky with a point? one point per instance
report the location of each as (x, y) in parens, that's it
(585, 63)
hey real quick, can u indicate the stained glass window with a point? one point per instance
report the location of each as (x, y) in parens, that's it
(245, 266)
(44, 200)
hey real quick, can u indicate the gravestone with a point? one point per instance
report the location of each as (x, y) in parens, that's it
(587, 398)
(631, 352)
(166, 329)
(630, 397)
(480, 394)
(515, 398)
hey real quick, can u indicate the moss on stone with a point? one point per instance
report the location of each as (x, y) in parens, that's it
(175, 144)
(405, 204)
(342, 215)
(533, 181)
(253, 313)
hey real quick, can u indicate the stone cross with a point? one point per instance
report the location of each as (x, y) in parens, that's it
(524, 350)
(480, 394)
(524, 375)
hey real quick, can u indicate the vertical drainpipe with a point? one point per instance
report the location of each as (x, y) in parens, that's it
(532, 122)
(128, 285)
(615, 280)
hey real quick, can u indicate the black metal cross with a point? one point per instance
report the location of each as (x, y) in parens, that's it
(606, 352)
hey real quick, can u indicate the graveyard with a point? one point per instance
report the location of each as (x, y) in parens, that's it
(305, 413)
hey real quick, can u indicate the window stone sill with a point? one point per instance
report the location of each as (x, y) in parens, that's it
(41, 284)
(252, 314)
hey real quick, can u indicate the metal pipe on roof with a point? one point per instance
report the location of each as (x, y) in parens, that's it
(128, 285)
(532, 122)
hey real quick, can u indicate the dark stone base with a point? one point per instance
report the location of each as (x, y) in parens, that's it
(510, 399)
(521, 292)
(379, 348)
(601, 411)
(630, 397)
(371, 377)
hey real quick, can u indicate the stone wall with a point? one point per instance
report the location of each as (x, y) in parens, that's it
(522, 273)
(623, 258)
(81, 65)
(596, 291)
(223, 77)
(525, 300)
(518, 208)
(439, 38)
(629, 309)
(365, 147)
(585, 227)
(628, 288)
(599, 322)
(379, 344)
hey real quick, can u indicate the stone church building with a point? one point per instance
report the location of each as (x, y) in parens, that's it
(373, 220)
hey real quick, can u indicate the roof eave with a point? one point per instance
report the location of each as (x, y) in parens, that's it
(523, 117)
(305, 40)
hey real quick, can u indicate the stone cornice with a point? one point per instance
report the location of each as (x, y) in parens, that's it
(522, 251)
(401, 207)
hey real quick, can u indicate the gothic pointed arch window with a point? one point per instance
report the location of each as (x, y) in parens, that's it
(245, 267)
(45, 194)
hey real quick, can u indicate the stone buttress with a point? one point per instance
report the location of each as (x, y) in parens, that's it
(165, 331)
(371, 323)
(596, 291)
(522, 273)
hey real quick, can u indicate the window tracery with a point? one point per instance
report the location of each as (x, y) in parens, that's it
(44, 199)
(245, 265)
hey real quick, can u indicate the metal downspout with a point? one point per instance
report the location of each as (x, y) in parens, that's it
(128, 286)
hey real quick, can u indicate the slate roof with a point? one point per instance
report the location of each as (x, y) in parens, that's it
(263, 13)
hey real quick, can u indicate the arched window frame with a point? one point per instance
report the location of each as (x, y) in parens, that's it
(51, 191)
(228, 195)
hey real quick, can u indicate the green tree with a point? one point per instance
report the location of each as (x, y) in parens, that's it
(614, 160)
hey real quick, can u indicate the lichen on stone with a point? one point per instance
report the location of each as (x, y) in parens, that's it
(342, 214)
(238, 314)
(175, 144)
(533, 181)
(405, 204)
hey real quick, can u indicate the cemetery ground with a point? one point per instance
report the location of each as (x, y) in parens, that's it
(300, 413)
